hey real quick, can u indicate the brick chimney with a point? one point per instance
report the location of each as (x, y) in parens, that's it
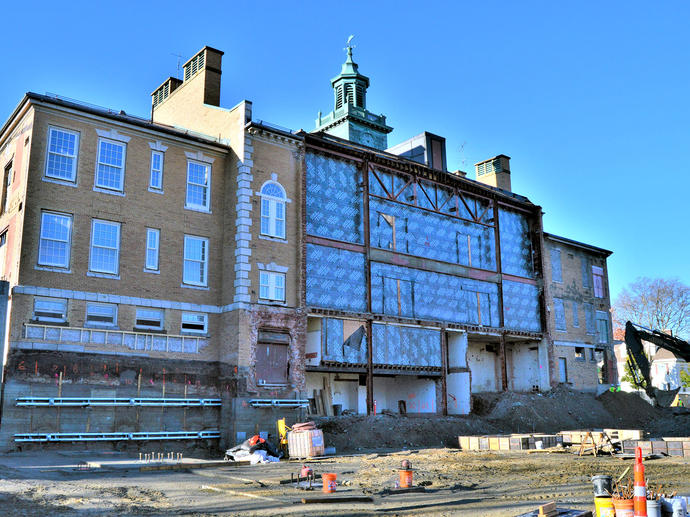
(200, 80)
(495, 172)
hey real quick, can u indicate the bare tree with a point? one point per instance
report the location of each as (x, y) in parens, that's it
(656, 303)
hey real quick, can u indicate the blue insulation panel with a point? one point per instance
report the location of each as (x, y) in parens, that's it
(336, 348)
(430, 235)
(402, 291)
(334, 199)
(521, 306)
(335, 279)
(516, 248)
(409, 346)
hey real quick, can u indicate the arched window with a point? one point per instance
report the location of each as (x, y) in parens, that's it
(273, 210)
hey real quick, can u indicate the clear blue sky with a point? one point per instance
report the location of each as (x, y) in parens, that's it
(590, 99)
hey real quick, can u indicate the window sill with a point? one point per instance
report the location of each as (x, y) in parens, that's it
(101, 327)
(198, 209)
(155, 190)
(103, 275)
(148, 330)
(53, 269)
(57, 181)
(152, 271)
(200, 287)
(274, 239)
(109, 191)
(186, 333)
(272, 302)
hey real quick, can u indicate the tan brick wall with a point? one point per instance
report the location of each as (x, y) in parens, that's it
(284, 161)
(571, 290)
(582, 374)
(136, 210)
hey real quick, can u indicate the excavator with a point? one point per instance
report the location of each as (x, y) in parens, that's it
(637, 360)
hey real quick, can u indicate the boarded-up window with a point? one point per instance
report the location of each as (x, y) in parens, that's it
(272, 358)
(598, 278)
(589, 318)
(398, 297)
(478, 308)
(585, 272)
(559, 314)
(556, 270)
(602, 327)
(576, 317)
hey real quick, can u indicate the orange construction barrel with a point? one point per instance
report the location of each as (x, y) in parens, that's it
(328, 482)
(405, 478)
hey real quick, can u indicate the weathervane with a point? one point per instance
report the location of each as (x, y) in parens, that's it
(348, 46)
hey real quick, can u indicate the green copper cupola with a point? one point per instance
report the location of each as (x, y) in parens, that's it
(350, 118)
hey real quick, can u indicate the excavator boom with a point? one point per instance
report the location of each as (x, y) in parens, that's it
(635, 334)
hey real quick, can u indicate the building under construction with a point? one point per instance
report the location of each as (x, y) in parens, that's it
(197, 274)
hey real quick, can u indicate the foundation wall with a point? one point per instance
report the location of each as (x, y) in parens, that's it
(67, 374)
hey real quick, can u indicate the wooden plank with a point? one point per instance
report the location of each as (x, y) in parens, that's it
(548, 509)
(411, 489)
(317, 399)
(338, 499)
(328, 397)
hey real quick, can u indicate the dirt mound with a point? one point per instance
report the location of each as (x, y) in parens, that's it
(353, 433)
(504, 413)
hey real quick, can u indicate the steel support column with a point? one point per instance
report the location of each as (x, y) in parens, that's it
(504, 368)
(367, 264)
(444, 371)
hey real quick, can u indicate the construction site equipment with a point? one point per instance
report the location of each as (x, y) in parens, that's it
(405, 477)
(329, 483)
(282, 436)
(304, 480)
(640, 495)
(286, 403)
(602, 485)
(604, 507)
(305, 444)
(637, 360)
(105, 401)
(104, 437)
(600, 443)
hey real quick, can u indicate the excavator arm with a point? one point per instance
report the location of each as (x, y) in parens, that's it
(635, 334)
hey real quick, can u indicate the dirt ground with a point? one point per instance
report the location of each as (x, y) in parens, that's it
(456, 482)
(504, 413)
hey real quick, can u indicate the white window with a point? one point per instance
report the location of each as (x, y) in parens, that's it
(54, 243)
(156, 181)
(101, 314)
(63, 148)
(598, 278)
(273, 210)
(50, 309)
(272, 286)
(149, 319)
(105, 247)
(152, 246)
(198, 181)
(110, 166)
(195, 269)
(194, 322)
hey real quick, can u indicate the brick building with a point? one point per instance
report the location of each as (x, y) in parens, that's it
(579, 313)
(202, 273)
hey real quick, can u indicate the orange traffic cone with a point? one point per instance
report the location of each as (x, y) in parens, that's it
(640, 494)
